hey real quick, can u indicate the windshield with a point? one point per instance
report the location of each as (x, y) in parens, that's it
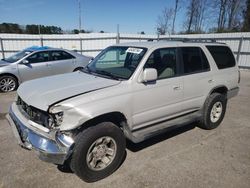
(117, 62)
(17, 56)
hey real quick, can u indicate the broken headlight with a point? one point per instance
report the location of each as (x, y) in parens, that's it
(55, 117)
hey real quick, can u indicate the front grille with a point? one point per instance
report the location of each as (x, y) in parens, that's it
(33, 113)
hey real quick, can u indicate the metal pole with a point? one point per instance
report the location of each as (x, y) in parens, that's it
(41, 41)
(1, 43)
(81, 45)
(79, 6)
(39, 30)
(239, 49)
(118, 35)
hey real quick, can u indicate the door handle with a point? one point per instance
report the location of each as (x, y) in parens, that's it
(177, 87)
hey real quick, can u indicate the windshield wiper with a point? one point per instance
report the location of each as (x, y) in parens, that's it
(105, 73)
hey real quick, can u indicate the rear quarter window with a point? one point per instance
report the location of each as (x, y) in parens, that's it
(223, 56)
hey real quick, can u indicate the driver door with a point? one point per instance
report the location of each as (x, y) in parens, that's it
(37, 66)
(158, 101)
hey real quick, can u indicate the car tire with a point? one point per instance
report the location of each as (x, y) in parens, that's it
(8, 83)
(98, 151)
(214, 111)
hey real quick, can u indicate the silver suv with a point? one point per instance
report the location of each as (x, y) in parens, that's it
(36, 62)
(133, 91)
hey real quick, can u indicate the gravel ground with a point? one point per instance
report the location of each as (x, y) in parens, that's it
(185, 157)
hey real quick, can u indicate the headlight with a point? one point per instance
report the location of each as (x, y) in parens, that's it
(56, 116)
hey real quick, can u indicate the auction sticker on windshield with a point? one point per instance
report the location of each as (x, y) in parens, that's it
(134, 50)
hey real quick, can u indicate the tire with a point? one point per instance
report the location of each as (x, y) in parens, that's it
(214, 111)
(89, 142)
(8, 84)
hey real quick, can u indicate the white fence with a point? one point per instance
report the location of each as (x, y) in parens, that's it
(93, 43)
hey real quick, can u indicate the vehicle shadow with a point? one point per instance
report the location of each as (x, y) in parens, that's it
(168, 133)
(135, 147)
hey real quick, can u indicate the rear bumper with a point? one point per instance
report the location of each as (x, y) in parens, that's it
(52, 147)
(232, 92)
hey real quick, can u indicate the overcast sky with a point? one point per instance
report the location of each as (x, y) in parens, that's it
(133, 16)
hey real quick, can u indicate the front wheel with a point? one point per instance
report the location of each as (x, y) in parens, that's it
(214, 111)
(8, 83)
(98, 152)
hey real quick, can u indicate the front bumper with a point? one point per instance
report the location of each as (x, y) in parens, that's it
(53, 147)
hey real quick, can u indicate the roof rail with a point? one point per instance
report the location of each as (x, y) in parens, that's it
(198, 40)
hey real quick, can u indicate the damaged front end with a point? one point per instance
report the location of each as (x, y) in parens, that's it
(51, 145)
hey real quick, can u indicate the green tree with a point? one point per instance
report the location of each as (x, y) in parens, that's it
(10, 28)
(34, 29)
(75, 31)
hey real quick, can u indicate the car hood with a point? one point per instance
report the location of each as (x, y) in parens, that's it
(42, 93)
(3, 63)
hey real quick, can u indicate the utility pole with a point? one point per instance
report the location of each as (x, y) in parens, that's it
(118, 34)
(39, 30)
(80, 17)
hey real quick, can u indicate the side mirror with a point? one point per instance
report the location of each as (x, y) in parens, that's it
(149, 75)
(25, 61)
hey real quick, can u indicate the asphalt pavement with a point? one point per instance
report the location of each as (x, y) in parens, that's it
(185, 157)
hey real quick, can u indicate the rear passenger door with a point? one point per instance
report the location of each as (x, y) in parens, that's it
(61, 62)
(197, 78)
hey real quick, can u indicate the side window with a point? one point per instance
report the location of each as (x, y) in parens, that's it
(194, 60)
(223, 56)
(164, 61)
(38, 57)
(60, 55)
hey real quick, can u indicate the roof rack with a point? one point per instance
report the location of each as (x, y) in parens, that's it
(194, 40)
(205, 40)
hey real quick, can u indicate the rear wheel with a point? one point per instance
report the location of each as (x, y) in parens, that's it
(8, 83)
(99, 150)
(214, 111)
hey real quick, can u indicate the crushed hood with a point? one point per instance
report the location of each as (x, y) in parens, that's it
(43, 92)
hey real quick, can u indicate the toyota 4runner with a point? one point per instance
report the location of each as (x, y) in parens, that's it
(133, 91)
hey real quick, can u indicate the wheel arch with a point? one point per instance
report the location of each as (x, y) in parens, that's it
(222, 89)
(9, 74)
(116, 117)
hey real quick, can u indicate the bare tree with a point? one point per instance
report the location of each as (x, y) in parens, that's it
(234, 13)
(222, 4)
(176, 9)
(191, 9)
(195, 15)
(164, 21)
(246, 14)
(229, 14)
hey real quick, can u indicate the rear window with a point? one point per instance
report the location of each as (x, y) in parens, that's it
(223, 56)
(60, 55)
